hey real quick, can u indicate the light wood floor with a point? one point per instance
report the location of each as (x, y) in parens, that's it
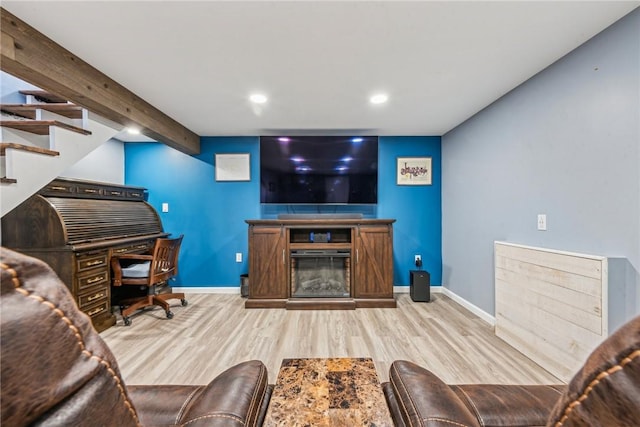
(215, 332)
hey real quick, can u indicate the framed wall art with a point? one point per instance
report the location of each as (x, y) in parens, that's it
(233, 167)
(413, 171)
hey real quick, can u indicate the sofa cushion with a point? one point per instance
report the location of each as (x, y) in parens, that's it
(137, 270)
(606, 390)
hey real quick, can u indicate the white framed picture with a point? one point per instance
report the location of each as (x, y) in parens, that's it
(414, 171)
(233, 167)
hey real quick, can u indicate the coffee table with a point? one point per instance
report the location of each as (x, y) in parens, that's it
(328, 392)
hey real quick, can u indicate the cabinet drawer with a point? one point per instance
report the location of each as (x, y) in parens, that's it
(94, 295)
(98, 277)
(89, 261)
(98, 309)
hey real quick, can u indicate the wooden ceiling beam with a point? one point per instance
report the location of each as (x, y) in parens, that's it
(31, 56)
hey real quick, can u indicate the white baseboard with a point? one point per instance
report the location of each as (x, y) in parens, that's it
(405, 289)
(208, 290)
(491, 320)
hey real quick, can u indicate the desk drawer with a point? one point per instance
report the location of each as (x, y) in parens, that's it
(135, 194)
(134, 248)
(56, 188)
(94, 295)
(90, 261)
(97, 277)
(89, 190)
(114, 192)
(97, 310)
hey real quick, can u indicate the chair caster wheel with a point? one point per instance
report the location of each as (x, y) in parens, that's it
(127, 321)
(184, 302)
(169, 315)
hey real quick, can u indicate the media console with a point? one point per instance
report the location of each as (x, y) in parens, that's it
(320, 263)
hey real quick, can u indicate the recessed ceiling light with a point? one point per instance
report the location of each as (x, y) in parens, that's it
(133, 131)
(258, 98)
(379, 98)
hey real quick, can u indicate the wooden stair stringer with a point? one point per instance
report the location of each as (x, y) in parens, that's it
(32, 171)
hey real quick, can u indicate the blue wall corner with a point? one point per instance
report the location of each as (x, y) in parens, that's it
(212, 214)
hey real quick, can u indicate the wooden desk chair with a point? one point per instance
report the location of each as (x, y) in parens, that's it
(150, 271)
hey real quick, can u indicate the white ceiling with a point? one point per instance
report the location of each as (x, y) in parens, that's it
(319, 61)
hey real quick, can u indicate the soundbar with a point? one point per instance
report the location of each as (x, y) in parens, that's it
(321, 216)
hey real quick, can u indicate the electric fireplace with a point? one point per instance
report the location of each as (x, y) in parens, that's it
(320, 273)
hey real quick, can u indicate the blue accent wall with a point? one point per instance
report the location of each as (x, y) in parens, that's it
(417, 209)
(211, 214)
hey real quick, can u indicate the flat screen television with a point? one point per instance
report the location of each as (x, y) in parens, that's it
(319, 170)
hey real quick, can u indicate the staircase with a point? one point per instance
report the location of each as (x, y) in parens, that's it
(40, 139)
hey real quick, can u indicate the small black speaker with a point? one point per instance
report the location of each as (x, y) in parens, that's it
(420, 285)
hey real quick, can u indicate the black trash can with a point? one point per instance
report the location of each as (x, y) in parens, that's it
(244, 285)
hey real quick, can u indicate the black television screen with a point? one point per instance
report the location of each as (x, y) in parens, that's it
(319, 169)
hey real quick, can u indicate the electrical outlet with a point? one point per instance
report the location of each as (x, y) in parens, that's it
(238, 256)
(542, 222)
(417, 258)
(165, 207)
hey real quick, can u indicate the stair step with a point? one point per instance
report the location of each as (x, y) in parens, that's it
(40, 127)
(5, 180)
(44, 96)
(71, 111)
(29, 148)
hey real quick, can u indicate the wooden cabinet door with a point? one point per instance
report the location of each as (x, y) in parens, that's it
(268, 261)
(373, 271)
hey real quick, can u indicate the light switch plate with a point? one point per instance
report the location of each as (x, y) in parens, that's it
(238, 256)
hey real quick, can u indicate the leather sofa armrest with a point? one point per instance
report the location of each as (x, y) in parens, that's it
(509, 405)
(424, 400)
(161, 405)
(419, 397)
(235, 397)
(392, 403)
(265, 404)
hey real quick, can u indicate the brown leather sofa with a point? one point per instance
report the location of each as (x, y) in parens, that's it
(605, 392)
(56, 370)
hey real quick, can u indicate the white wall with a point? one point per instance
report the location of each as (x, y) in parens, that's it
(565, 143)
(10, 87)
(104, 164)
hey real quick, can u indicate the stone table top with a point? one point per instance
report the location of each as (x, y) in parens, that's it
(328, 392)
